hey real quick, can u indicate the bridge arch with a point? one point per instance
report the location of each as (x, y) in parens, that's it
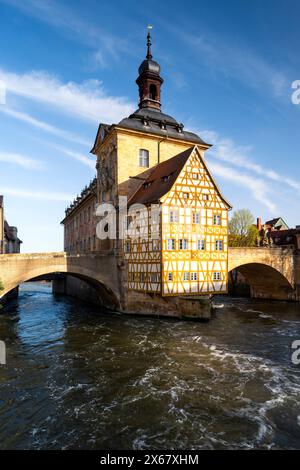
(270, 272)
(100, 272)
(265, 281)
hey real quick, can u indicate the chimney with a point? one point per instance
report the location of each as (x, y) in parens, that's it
(258, 224)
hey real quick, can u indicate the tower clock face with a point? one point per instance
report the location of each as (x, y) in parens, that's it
(102, 134)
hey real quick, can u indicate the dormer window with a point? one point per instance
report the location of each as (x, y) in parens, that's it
(147, 184)
(165, 178)
(144, 158)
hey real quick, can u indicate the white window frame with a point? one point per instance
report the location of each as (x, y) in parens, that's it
(219, 245)
(194, 276)
(171, 244)
(183, 244)
(217, 219)
(144, 158)
(173, 216)
(196, 217)
(170, 277)
(201, 244)
(186, 276)
(217, 276)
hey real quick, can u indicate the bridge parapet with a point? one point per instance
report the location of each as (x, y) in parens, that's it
(99, 269)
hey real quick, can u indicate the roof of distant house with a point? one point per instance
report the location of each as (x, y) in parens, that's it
(277, 222)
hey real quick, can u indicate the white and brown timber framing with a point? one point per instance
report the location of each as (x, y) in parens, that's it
(184, 186)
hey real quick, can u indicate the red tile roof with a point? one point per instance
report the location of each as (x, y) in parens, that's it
(161, 179)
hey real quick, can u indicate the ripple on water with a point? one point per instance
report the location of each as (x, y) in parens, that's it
(79, 378)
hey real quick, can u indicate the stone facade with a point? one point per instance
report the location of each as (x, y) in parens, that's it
(80, 222)
(9, 240)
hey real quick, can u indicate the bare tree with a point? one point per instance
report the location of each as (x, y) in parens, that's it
(242, 231)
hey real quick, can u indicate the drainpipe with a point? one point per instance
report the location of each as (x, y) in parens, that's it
(158, 147)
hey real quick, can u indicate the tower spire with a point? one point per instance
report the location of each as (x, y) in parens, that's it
(149, 54)
(149, 80)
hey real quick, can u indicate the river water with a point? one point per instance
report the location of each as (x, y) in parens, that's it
(79, 379)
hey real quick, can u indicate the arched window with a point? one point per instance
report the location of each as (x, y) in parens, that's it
(152, 92)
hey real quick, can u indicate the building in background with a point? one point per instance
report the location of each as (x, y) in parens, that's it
(9, 240)
(277, 232)
(150, 158)
(80, 222)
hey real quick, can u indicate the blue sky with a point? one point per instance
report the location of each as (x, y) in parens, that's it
(228, 69)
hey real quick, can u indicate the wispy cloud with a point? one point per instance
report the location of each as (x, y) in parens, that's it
(228, 151)
(107, 46)
(21, 160)
(85, 100)
(40, 195)
(260, 191)
(237, 62)
(88, 161)
(27, 118)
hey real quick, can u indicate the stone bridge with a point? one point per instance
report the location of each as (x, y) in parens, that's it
(98, 270)
(272, 273)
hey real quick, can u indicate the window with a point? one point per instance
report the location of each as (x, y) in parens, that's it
(183, 244)
(186, 276)
(195, 176)
(196, 218)
(155, 245)
(170, 276)
(152, 92)
(165, 178)
(217, 219)
(142, 277)
(194, 276)
(127, 246)
(205, 197)
(219, 245)
(144, 158)
(186, 195)
(217, 276)
(153, 277)
(171, 244)
(201, 244)
(173, 217)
